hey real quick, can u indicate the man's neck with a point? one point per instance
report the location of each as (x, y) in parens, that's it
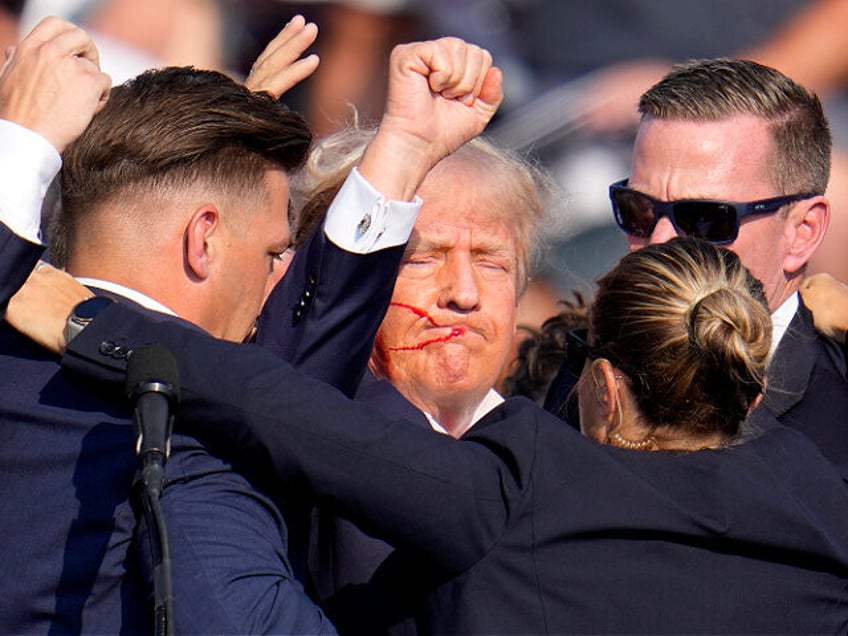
(127, 292)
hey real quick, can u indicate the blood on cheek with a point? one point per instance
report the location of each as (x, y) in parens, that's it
(456, 332)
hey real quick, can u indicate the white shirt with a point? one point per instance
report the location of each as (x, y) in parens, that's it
(28, 163)
(781, 318)
(492, 399)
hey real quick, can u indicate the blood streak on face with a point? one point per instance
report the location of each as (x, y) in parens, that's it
(456, 332)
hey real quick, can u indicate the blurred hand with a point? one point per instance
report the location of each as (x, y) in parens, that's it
(51, 82)
(610, 100)
(280, 66)
(827, 298)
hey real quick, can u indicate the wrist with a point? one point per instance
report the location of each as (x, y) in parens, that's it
(81, 316)
(396, 164)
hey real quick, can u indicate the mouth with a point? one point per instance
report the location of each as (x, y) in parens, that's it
(455, 332)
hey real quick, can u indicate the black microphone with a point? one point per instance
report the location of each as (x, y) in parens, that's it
(153, 388)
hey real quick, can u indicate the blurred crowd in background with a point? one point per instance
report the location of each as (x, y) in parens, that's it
(573, 72)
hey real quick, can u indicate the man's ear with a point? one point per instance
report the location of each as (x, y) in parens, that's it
(199, 248)
(806, 227)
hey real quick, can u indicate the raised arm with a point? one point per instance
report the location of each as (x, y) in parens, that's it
(50, 88)
(324, 314)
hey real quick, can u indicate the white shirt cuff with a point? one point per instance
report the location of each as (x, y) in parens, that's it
(28, 163)
(361, 220)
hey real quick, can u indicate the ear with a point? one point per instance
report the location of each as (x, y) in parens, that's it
(756, 401)
(603, 374)
(199, 246)
(806, 227)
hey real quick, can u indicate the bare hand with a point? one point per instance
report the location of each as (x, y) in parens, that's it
(41, 307)
(280, 66)
(827, 298)
(610, 98)
(441, 94)
(51, 82)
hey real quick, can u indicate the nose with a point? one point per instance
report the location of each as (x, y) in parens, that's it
(460, 288)
(663, 232)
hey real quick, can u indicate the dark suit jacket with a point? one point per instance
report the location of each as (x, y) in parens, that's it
(74, 558)
(524, 526)
(808, 387)
(343, 560)
(17, 258)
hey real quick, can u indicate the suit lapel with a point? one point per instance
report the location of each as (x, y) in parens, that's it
(792, 365)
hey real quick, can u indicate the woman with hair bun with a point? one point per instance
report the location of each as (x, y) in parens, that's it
(680, 340)
(686, 518)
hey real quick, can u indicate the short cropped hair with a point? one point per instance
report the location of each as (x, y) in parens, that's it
(522, 186)
(690, 327)
(711, 90)
(174, 128)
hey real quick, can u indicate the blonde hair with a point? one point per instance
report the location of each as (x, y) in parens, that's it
(691, 328)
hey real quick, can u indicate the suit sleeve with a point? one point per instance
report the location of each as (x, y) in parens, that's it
(28, 163)
(324, 314)
(417, 489)
(17, 258)
(231, 572)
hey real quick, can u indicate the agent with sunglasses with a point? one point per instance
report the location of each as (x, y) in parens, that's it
(736, 153)
(525, 526)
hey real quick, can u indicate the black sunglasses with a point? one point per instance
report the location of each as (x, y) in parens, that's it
(715, 221)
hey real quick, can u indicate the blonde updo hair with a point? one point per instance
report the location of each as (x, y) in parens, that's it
(691, 328)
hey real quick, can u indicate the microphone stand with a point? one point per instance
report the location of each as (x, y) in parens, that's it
(163, 593)
(153, 388)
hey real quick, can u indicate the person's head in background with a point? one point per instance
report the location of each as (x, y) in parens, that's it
(450, 327)
(731, 131)
(10, 18)
(677, 348)
(179, 190)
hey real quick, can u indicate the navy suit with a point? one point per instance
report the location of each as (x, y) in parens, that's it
(74, 554)
(17, 258)
(343, 560)
(808, 387)
(524, 526)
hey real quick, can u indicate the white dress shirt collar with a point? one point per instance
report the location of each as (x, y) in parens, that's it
(492, 399)
(781, 318)
(136, 296)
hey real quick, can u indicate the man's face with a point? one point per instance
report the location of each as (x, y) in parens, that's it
(726, 160)
(251, 258)
(450, 325)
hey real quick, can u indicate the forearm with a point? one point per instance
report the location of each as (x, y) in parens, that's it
(412, 487)
(325, 312)
(812, 48)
